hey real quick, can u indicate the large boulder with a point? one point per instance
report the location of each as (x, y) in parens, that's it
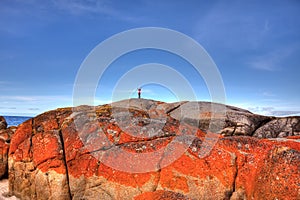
(144, 149)
(5, 135)
(37, 168)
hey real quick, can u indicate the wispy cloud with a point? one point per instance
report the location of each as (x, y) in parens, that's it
(272, 111)
(274, 106)
(33, 109)
(4, 83)
(267, 62)
(268, 94)
(20, 18)
(90, 7)
(8, 108)
(32, 104)
(266, 28)
(226, 25)
(18, 98)
(84, 6)
(272, 61)
(7, 86)
(34, 97)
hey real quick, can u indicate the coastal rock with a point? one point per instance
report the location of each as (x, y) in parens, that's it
(5, 135)
(4, 147)
(106, 156)
(266, 168)
(37, 168)
(3, 123)
(144, 149)
(279, 127)
(226, 120)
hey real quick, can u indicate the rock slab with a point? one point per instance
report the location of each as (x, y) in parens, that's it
(144, 149)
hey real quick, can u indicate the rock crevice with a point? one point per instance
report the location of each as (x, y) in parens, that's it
(65, 163)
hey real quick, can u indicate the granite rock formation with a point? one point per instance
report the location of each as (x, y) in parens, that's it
(279, 128)
(5, 135)
(144, 149)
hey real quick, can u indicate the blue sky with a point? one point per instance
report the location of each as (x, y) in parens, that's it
(255, 45)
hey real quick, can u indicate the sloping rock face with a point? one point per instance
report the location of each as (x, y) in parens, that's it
(229, 120)
(144, 149)
(232, 121)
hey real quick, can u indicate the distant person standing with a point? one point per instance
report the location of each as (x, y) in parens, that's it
(139, 92)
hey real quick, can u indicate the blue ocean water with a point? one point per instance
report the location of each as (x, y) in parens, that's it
(15, 120)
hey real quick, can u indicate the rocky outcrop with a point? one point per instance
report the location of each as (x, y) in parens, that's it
(227, 120)
(37, 168)
(279, 128)
(5, 135)
(231, 121)
(144, 149)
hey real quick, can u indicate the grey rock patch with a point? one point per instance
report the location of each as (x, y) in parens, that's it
(279, 127)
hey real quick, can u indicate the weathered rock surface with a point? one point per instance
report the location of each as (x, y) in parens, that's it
(3, 123)
(227, 120)
(5, 135)
(230, 121)
(279, 127)
(161, 195)
(144, 149)
(37, 168)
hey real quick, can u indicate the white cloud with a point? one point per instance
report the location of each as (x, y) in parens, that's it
(32, 105)
(269, 107)
(272, 111)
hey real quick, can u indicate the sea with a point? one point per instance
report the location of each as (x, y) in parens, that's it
(15, 120)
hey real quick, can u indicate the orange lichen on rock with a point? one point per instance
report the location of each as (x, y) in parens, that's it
(45, 147)
(278, 176)
(264, 165)
(20, 142)
(135, 180)
(173, 181)
(152, 150)
(161, 195)
(5, 135)
(219, 165)
(47, 152)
